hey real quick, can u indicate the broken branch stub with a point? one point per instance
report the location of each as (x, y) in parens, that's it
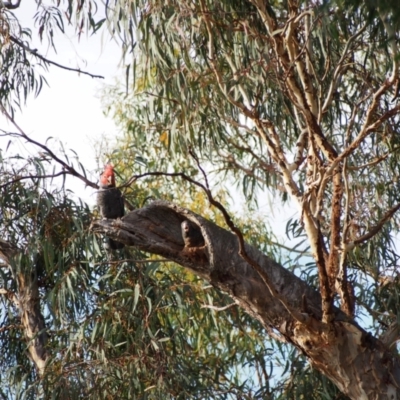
(157, 229)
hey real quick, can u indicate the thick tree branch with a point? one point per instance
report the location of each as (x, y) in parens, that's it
(27, 301)
(298, 316)
(20, 178)
(242, 250)
(342, 283)
(156, 229)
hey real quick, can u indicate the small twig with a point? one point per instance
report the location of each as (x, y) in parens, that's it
(219, 308)
(301, 252)
(44, 59)
(193, 154)
(375, 161)
(367, 127)
(378, 226)
(70, 170)
(133, 261)
(338, 69)
(33, 177)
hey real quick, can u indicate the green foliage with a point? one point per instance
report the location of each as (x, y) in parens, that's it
(201, 76)
(21, 64)
(176, 100)
(131, 327)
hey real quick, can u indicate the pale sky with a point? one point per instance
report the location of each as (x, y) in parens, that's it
(69, 107)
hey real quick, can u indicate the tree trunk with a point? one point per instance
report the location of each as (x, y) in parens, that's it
(27, 301)
(33, 321)
(359, 364)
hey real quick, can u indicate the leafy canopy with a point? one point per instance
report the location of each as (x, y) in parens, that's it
(291, 98)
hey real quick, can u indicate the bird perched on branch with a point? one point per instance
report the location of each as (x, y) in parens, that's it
(194, 242)
(110, 200)
(191, 234)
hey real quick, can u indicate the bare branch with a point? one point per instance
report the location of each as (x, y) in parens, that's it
(339, 68)
(300, 146)
(342, 273)
(374, 162)
(20, 178)
(248, 171)
(305, 103)
(368, 127)
(336, 212)
(263, 164)
(242, 251)
(378, 226)
(47, 61)
(219, 308)
(132, 260)
(294, 250)
(294, 52)
(365, 131)
(69, 169)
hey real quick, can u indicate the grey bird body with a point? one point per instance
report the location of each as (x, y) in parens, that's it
(110, 201)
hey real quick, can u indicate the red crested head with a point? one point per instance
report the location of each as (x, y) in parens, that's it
(107, 178)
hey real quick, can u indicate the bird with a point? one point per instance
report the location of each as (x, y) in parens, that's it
(191, 234)
(110, 201)
(194, 248)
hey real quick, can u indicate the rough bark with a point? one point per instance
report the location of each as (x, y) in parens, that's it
(33, 321)
(360, 365)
